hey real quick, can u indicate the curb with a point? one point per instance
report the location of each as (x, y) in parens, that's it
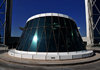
(52, 64)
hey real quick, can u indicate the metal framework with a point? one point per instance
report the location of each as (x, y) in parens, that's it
(5, 20)
(93, 21)
(2, 20)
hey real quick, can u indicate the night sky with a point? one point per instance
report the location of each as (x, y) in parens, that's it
(24, 9)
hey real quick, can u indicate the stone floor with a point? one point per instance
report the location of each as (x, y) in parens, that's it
(9, 65)
(14, 66)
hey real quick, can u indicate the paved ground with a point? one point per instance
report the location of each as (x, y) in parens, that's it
(6, 57)
(11, 66)
(14, 66)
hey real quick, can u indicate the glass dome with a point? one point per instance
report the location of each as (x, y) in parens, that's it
(50, 33)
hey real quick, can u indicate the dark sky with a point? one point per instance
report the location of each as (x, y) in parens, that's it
(23, 9)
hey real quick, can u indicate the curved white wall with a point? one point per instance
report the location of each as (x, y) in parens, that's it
(50, 55)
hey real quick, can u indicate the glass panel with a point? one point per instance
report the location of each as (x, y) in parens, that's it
(33, 45)
(34, 36)
(42, 47)
(41, 22)
(62, 36)
(48, 21)
(21, 45)
(61, 21)
(52, 46)
(55, 23)
(21, 39)
(48, 33)
(68, 34)
(30, 23)
(33, 30)
(76, 39)
(56, 31)
(59, 35)
(28, 39)
(23, 36)
(35, 22)
(51, 34)
(62, 39)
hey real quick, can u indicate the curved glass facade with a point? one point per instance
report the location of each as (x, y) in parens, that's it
(51, 34)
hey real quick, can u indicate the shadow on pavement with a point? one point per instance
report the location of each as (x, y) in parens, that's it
(3, 51)
(96, 51)
(3, 48)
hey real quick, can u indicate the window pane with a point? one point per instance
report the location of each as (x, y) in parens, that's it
(52, 45)
(61, 21)
(35, 22)
(34, 39)
(42, 47)
(31, 23)
(68, 34)
(41, 21)
(76, 39)
(48, 21)
(51, 32)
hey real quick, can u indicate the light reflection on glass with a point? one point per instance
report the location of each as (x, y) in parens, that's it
(34, 42)
(35, 38)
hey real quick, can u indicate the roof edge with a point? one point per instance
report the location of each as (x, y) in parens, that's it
(48, 14)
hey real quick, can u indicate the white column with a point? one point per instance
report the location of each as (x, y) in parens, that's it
(89, 29)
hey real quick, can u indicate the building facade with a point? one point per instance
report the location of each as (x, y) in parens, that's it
(50, 36)
(5, 20)
(93, 21)
(51, 32)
